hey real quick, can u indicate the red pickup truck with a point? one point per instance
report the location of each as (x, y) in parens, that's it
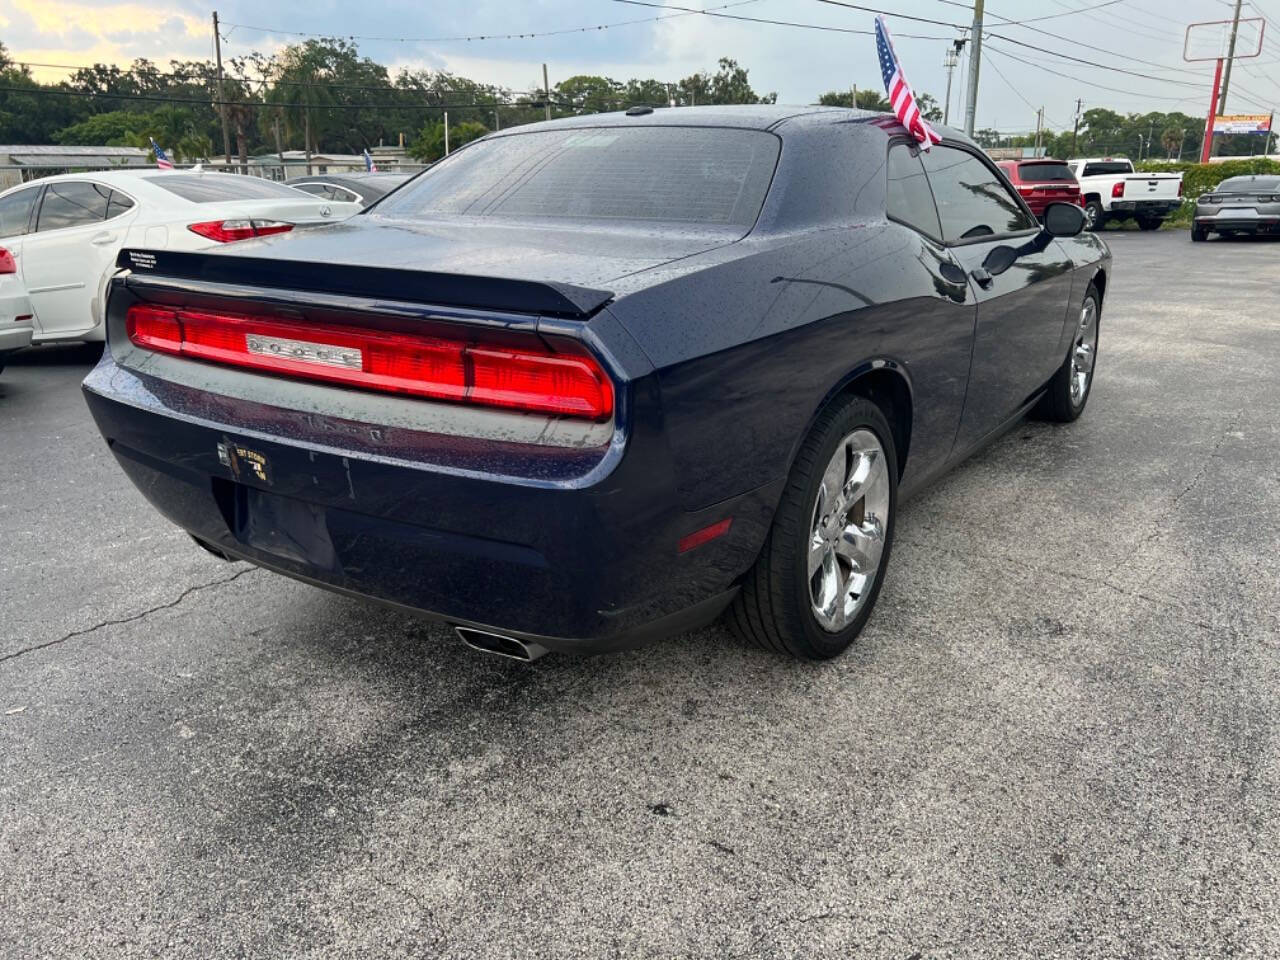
(1042, 182)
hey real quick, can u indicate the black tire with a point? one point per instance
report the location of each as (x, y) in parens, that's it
(773, 609)
(1095, 218)
(1058, 403)
(1149, 223)
(1199, 234)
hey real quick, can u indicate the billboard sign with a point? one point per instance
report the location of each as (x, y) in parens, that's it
(1256, 124)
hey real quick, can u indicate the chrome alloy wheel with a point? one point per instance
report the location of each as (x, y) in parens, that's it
(850, 520)
(1084, 352)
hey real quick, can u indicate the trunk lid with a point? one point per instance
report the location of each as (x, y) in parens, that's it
(303, 211)
(576, 255)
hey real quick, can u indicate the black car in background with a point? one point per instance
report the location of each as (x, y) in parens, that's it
(601, 379)
(362, 188)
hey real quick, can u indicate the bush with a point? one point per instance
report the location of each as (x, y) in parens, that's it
(1198, 178)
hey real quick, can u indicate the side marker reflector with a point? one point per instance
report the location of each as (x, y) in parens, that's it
(705, 535)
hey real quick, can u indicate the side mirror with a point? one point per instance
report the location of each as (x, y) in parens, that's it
(1063, 219)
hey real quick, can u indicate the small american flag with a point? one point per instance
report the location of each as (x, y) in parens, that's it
(368, 162)
(901, 98)
(162, 160)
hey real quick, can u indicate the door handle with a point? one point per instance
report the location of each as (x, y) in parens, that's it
(982, 277)
(102, 239)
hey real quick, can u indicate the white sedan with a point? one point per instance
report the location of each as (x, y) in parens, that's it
(65, 232)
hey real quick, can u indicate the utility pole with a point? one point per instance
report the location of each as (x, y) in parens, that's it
(446, 133)
(1039, 123)
(1226, 73)
(546, 90)
(306, 124)
(497, 120)
(1075, 130)
(1231, 52)
(222, 92)
(949, 61)
(975, 59)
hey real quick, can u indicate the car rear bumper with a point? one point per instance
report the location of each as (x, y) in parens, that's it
(1223, 220)
(15, 333)
(1145, 208)
(14, 338)
(580, 553)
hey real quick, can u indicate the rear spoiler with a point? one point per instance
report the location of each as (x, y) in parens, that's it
(390, 283)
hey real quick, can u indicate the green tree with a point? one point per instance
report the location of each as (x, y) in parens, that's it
(588, 94)
(429, 145)
(869, 98)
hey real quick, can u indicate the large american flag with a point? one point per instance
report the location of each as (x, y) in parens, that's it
(901, 97)
(162, 160)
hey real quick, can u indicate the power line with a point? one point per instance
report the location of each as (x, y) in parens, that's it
(780, 23)
(1050, 16)
(1018, 93)
(1032, 46)
(1088, 83)
(491, 36)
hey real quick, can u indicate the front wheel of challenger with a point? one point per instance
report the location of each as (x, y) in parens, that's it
(817, 578)
(1064, 399)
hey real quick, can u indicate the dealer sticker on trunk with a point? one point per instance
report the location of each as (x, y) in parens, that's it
(244, 463)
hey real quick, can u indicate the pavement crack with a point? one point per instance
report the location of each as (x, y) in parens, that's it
(133, 618)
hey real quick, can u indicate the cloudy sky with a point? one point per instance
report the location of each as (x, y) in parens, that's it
(797, 62)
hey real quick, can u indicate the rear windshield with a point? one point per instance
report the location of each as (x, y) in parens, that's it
(1045, 173)
(1249, 185)
(673, 174)
(1104, 167)
(204, 188)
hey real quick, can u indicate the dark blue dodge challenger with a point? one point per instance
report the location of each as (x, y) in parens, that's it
(601, 379)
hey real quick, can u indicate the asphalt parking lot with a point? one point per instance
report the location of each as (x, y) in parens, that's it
(1058, 736)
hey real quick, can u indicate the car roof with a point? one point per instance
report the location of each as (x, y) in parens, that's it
(133, 178)
(755, 116)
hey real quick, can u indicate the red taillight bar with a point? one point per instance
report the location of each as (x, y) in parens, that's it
(1117, 189)
(229, 231)
(7, 263)
(529, 377)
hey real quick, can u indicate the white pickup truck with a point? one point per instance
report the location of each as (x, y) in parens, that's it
(1110, 189)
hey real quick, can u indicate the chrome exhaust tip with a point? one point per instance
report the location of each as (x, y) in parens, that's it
(499, 645)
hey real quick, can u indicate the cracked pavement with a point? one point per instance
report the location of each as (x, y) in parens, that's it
(1057, 737)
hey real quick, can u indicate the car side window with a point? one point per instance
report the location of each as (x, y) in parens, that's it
(343, 195)
(973, 200)
(315, 189)
(117, 204)
(907, 198)
(72, 204)
(15, 212)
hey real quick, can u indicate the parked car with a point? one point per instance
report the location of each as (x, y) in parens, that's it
(15, 308)
(1111, 189)
(66, 231)
(361, 188)
(595, 380)
(1042, 182)
(1248, 204)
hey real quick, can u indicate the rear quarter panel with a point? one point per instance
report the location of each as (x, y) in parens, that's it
(748, 350)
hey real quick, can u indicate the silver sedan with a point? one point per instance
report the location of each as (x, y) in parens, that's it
(1239, 205)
